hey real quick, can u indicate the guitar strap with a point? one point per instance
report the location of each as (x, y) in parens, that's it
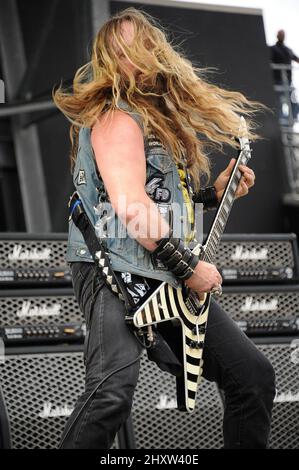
(97, 250)
(127, 287)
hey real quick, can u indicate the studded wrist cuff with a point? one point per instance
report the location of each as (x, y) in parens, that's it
(173, 254)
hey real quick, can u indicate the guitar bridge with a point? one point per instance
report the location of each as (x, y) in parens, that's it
(199, 330)
(191, 307)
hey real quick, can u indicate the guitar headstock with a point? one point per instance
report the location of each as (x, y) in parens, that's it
(245, 150)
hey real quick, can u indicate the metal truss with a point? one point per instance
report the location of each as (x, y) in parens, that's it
(17, 78)
(290, 136)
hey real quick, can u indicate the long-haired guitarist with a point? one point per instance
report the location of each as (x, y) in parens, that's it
(143, 121)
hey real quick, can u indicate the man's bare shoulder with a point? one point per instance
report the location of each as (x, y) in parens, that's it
(116, 123)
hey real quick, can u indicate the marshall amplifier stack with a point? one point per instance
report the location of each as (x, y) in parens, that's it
(43, 316)
(258, 259)
(261, 294)
(37, 305)
(28, 260)
(260, 282)
(40, 386)
(43, 331)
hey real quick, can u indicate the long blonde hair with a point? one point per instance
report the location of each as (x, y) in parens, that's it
(188, 114)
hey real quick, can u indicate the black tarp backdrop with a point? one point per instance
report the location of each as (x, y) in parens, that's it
(235, 44)
(66, 48)
(10, 197)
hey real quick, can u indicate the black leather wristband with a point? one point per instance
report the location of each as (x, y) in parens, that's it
(174, 255)
(189, 270)
(185, 257)
(165, 250)
(208, 197)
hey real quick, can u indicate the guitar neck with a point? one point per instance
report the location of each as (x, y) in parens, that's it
(223, 212)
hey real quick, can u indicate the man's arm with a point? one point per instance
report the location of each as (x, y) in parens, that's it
(293, 56)
(119, 150)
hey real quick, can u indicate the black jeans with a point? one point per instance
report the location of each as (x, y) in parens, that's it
(241, 371)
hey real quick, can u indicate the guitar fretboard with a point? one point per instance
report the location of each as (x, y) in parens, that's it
(224, 209)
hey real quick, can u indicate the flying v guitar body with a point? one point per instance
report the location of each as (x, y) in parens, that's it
(167, 304)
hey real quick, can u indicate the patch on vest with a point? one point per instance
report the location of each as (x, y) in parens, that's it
(165, 211)
(136, 286)
(81, 177)
(154, 188)
(154, 141)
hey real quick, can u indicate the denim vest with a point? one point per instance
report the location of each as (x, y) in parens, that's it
(163, 185)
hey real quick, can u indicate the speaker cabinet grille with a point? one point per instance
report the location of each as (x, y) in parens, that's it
(158, 426)
(40, 391)
(256, 302)
(284, 356)
(41, 386)
(39, 307)
(42, 251)
(277, 253)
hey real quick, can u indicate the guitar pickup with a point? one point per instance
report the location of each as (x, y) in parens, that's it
(196, 344)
